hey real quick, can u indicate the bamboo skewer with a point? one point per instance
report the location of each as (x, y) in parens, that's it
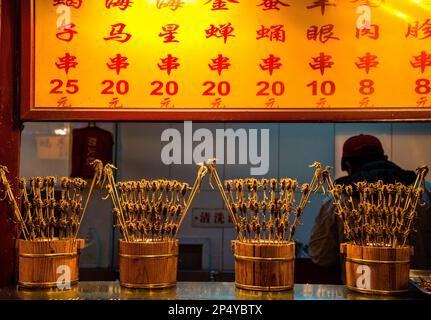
(265, 218)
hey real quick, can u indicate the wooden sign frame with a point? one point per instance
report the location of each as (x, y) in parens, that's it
(28, 112)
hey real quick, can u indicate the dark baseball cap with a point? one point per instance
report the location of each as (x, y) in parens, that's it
(362, 145)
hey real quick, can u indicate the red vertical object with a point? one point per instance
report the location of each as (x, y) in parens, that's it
(9, 133)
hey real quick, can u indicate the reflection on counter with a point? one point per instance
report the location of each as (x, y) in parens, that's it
(110, 290)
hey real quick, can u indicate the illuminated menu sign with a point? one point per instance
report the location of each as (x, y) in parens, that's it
(262, 56)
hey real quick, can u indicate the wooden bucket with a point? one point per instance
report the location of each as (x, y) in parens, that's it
(377, 270)
(148, 265)
(48, 264)
(264, 266)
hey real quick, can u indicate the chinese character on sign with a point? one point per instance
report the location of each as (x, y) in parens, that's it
(67, 62)
(115, 103)
(166, 103)
(276, 33)
(169, 63)
(169, 32)
(222, 31)
(70, 3)
(120, 4)
(63, 102)
(321, 103)
(172, 4)
(117, 63)
(321, 62)
(422, 101)
(272, 4)
(372, 32)
(421, 61)
(219, 218)
(366, 62)
(271, 103)
(370, 3)
(117, 33)
(217, 104)
(220, 4)
(322, 4)
(424, 28)
(323, 34)
(270, 64)
(365, 103)
(204, 217)
(220, 63)
(67, 33)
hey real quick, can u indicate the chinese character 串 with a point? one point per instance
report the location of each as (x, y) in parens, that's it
(272, 4)
(222, 31)
(366, 62)
(169, 63)
(372, 32)
(70, 3)
(67, 62)
(117, 33)
(322, 4)
(425, 28)
(67, 33)
(117, 63)
(120, 4)
(172, 4)
(276, 33)
(324, 33)
(421, 61)
(270, 64)
(170, 30)
(220, 4)
(220, 63)
(321, 62)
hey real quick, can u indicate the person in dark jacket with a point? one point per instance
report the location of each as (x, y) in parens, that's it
(364, 160)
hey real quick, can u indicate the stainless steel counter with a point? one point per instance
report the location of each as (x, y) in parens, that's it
(106, 290)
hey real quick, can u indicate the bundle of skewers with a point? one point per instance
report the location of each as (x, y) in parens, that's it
(39, 214)
(150, 210)
(378, 214)
(263, 210)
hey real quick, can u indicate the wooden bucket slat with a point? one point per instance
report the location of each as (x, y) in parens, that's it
(38, 261)
(264, 267)
(388, 269)
(148, 265)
